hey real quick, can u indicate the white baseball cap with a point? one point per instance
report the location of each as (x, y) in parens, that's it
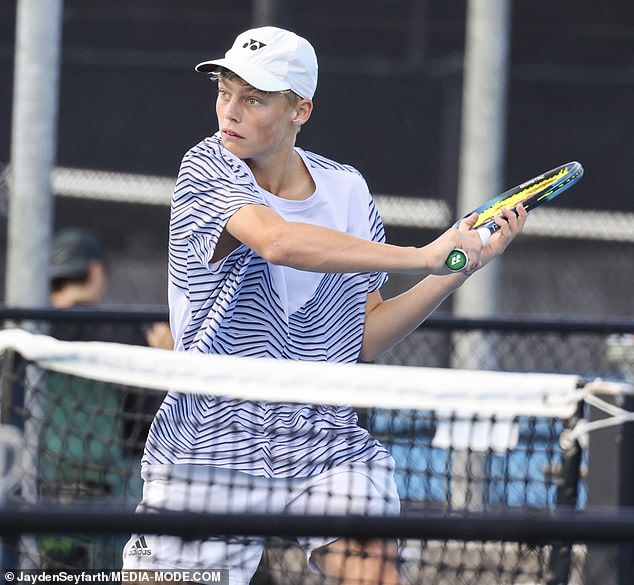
(271, 59)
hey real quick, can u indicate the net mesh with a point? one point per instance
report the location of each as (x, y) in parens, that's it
(461, 442)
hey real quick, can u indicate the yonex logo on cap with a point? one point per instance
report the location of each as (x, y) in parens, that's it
(270, 59)
(254, 45)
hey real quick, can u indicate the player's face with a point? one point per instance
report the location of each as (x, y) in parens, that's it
(254, 124)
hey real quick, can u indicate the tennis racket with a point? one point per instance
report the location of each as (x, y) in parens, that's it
(531, 194)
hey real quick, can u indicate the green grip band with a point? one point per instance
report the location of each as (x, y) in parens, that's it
(457, 260)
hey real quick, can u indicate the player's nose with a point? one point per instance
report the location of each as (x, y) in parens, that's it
(231, 111)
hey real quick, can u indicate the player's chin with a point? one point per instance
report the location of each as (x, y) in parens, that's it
(235, 148)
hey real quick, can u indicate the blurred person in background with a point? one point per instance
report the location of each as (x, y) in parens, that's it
(79, 276)
(89, 427)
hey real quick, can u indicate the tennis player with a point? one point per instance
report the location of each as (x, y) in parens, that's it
(277, 252)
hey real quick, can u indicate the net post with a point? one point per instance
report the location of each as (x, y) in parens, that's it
(19, 376)
(560, 562)
(10, 366)
(611, 485)
(12, 389)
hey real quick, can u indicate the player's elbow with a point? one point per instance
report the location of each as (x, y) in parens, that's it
(371, 343)
(276, 252)
(366, 355)
(276, 247)
(371, 350)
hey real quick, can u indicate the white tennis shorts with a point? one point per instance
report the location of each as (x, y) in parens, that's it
(358, 489)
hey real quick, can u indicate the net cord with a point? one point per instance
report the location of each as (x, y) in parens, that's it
(466, 393)
(617, 416)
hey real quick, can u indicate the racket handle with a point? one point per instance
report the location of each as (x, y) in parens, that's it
(485, 233)
(458, 258)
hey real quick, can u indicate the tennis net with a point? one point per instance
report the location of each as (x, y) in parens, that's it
(488, 466)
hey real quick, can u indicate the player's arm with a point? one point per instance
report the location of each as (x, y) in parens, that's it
(320, 249)
(389, 321)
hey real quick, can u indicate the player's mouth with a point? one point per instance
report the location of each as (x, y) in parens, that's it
(231, 134)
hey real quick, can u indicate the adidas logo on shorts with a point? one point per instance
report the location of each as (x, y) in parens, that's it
(139, 548)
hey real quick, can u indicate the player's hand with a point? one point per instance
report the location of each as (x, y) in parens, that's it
(464, 238)
(511, 225)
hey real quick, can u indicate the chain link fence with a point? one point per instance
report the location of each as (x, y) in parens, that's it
(388, 102)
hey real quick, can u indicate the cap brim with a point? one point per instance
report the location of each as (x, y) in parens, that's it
(253, 75)
(75, 269)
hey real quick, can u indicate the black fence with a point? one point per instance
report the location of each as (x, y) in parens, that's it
(590, 544)
(586, 347)
(388, 102)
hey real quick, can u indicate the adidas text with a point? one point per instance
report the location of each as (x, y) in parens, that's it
(140, 548)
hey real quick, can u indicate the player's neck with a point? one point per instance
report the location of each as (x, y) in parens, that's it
(286, 177)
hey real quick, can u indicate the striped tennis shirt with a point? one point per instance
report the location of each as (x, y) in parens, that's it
(243, 305)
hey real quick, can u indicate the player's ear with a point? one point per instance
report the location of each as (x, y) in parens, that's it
(302, 111)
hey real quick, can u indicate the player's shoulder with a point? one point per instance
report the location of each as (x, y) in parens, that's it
(211, 158)
(322, 163)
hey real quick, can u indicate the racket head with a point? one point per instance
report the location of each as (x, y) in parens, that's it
(532, 193)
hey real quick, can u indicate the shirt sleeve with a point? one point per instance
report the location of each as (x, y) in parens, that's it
(210, 188)
(377, 233)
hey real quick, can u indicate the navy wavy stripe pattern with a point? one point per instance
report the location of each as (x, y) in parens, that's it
(235, 309)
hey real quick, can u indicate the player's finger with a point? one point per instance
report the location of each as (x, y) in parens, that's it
(509, 219)
(468, 222)
(516, 218)
(502, 220)
(522, 214)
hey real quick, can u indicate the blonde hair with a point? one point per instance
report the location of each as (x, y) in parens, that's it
(224, 73)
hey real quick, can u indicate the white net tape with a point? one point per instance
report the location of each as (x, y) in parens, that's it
(475, 451)
(485, 393)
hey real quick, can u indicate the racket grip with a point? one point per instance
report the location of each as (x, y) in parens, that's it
(485, 234)
(458, 259)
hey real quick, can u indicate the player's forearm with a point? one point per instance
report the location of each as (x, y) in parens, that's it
(319, 249)
(391, 320)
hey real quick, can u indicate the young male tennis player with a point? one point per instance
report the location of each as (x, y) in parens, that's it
(277, 252)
